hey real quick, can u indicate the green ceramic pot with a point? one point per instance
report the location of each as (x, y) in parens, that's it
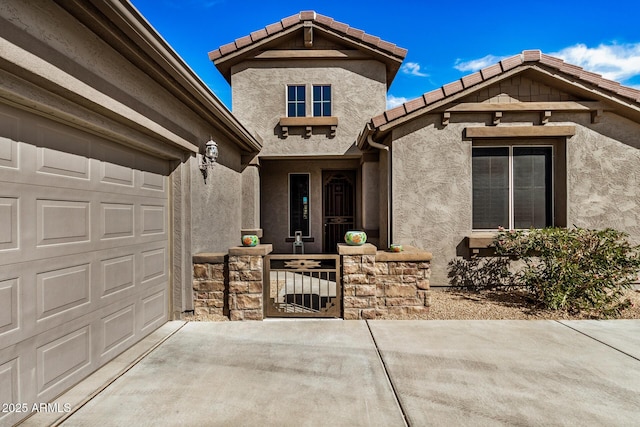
(355, 238)
(250, 240)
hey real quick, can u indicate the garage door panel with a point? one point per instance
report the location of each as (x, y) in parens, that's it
(118, 329)
(8, 141)
(37, 222)
(154, 265)
(63, 290)
(117, 220)
(9, 304)
(9, 392)
(9, 220)
(154, 219)
(62, 358)
(118, 275)
(62, 221)
(54, 162)
(84, 253)
(8, 153)
(153, 313)
(152, 181)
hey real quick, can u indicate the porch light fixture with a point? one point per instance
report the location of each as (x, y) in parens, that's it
(207, 160)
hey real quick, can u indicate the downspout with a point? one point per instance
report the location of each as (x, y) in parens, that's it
(385, 148)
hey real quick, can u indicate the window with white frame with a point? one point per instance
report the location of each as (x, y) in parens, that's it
(296, 101)
(512, 187)
(321, 100)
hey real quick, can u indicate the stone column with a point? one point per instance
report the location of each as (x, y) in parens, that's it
(358, 281)
(246, 274)
(402, 283)
(209, 283)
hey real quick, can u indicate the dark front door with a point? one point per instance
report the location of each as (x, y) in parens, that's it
(339, 206)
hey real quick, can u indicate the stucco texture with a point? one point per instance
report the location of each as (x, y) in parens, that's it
(432, 194)
(216, 206)
(259, 101)
(431, 191)
(603, 176)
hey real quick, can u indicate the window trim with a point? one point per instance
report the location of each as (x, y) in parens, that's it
(296, 102)
(322, 101)
(510, 146)
(289, 202)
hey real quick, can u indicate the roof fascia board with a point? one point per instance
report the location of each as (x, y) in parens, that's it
(244, 52)
(599, 92)
(70, 88)
(142, 34)
(441, 104)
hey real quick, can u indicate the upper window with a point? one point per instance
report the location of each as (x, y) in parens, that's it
(321, 100)
(296, 101)
(512, 187)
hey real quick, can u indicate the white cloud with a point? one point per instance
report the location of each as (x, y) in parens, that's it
(413, 69)
(477, 64)
(617, 62)
(394, 101)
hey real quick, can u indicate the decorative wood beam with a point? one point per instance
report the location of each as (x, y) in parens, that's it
(596, 116)
(489, 107)
(545, 116)
(519, 131)
(308, 121)
(308, 35)
(446, 116)
(315, 53)
(497, 115)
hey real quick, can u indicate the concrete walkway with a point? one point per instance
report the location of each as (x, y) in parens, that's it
(377, 373)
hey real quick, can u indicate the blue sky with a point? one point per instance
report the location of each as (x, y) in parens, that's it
(446, 40)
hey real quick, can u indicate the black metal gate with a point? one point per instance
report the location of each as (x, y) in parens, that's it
(302, 286)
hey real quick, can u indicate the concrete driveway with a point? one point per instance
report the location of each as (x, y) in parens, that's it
(376, 373)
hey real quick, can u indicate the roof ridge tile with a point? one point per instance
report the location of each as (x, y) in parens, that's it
(319, 19)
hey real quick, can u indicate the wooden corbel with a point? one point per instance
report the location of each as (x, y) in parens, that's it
(308, 35)
(596, 115)
(446, 116)
(544, 117)
(307, 133)
(285, 131)
(497, 115)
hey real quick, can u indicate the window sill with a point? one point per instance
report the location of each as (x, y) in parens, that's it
(308, 123)
(481, 239)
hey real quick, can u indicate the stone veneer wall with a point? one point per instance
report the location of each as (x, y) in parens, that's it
(376, 284)
(246, 282)
(209, 284)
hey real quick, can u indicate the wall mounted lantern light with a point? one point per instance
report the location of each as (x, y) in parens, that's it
(208, 159)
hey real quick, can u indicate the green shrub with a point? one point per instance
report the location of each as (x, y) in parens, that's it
(477, 274)
(573, 269)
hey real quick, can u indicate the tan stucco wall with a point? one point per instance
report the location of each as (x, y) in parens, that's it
(432, 180)
(259, 101)
(604, 175)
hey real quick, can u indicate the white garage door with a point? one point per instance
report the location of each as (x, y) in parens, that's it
(83, 254)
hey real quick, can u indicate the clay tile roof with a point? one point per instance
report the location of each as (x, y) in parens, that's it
(426, 101)
(326, 22)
